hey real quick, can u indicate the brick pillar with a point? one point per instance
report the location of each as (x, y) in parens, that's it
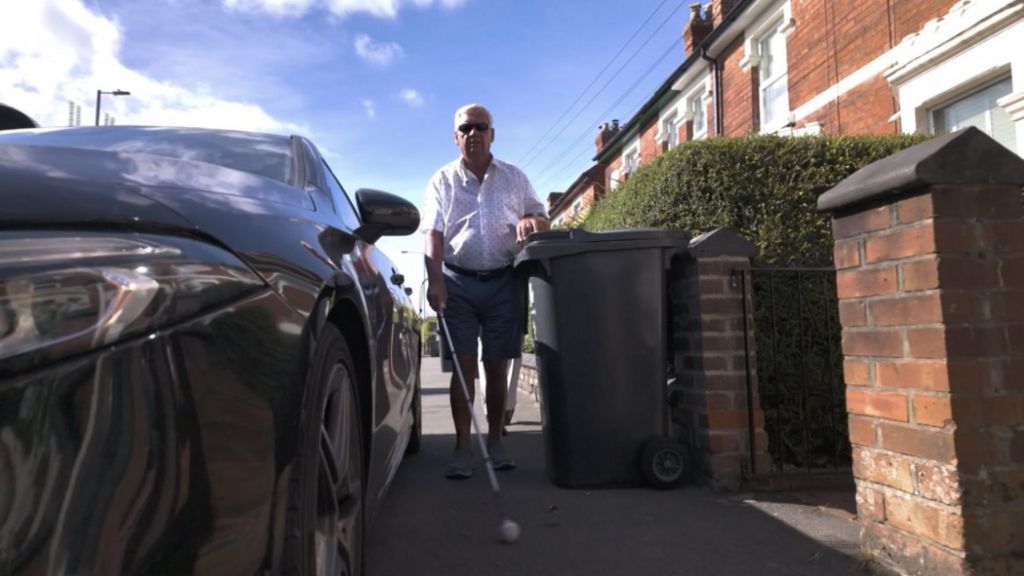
(710, 399)
(930, 257)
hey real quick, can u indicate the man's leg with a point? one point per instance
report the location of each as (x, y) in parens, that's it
(501, 338)
(460, 410)
(497, 385)
(463, 324)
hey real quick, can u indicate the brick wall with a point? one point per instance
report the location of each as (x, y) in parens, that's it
(931, 290)
(739, 99)
(865, 109)
(832, 40)
(528, 378)
(612, 167)
(710, 401)
(649, 147)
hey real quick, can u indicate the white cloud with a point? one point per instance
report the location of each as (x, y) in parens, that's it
(340, 8)
(411, 97)
(57, 51)
(371, 108)
(381, 54)
(275, 7)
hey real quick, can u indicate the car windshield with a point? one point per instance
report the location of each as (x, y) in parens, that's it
(267, 155)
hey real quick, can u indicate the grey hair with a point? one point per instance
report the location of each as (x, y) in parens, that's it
(461, 111)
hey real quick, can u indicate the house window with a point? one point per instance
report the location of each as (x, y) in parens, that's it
(979, 109)
(772, 71)
(577, 207)
(670, 130)
(631, 161)
(699, 117)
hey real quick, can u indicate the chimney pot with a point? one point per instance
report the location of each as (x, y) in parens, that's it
(699, 27)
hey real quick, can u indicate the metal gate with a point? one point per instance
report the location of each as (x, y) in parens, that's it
(799, 366)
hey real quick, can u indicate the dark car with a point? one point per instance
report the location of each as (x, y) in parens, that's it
(206, 367)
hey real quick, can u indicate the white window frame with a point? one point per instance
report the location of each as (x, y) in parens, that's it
(962, 95)
(698, 98)
(668, 130)
(631, 152)
(673, 113)
(780, 15)
(954, 56)
(776, 19)
(780, 75)
(577, 207)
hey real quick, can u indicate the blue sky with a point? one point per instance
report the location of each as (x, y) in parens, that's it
(373, 83)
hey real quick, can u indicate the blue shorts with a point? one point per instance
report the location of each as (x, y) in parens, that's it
(491, 310)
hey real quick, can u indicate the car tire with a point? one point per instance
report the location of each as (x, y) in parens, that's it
(327, 489)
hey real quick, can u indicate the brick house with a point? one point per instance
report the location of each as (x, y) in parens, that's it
(795, 67)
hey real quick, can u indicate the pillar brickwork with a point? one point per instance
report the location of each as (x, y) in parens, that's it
(711, 364)
(929, 251)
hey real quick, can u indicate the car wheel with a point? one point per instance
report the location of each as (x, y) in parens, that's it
(325, 522)
(416, 435)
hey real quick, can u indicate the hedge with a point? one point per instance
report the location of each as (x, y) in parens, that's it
(764, 187)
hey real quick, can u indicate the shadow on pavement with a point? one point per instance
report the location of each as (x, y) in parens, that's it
(430, 525)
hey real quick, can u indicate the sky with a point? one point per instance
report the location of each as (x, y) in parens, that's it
(373, 83)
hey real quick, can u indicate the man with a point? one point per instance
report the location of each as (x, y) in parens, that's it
(477, 210)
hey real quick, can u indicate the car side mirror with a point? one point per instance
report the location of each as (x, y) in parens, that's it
(385, 214)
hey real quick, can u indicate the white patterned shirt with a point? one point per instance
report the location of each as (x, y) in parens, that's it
(478, 220)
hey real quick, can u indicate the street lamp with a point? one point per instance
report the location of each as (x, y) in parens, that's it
(99, 93)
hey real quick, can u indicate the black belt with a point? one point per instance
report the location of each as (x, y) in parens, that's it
(482, 275)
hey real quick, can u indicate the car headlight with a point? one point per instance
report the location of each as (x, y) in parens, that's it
(66, 293)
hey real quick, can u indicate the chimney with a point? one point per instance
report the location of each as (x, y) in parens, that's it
(720, 9)
(605, 133)
(696, 30)
(553, 199)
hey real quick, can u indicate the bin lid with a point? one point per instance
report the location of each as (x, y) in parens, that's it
(557, 243)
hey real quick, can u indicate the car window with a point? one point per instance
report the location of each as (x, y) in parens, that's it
(343, 204)
(266, 155)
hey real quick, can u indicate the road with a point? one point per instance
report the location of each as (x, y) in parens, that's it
(433, 526)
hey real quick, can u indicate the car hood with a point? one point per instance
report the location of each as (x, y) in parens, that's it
(52, 186)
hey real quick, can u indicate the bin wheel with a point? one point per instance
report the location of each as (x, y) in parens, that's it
(664, 463)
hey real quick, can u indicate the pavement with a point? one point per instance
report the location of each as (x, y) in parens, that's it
(430, 525)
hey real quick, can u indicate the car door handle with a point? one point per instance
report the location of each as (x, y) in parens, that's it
(397, 279)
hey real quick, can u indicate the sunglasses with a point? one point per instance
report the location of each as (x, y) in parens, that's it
(468, 127)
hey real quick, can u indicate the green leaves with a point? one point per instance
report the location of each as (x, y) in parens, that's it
(764, 187)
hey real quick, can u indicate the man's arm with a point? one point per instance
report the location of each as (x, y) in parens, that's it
(433, 259)
(534, 215)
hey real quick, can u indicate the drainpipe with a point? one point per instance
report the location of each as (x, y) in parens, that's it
(717, 99)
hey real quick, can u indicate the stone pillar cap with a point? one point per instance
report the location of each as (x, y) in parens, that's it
(721, 242)
(965, 157)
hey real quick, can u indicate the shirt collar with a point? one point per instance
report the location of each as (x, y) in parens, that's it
(463, 173)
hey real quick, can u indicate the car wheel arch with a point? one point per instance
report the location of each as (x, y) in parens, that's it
(346, 317)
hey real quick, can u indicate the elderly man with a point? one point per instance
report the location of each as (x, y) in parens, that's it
(477, 210)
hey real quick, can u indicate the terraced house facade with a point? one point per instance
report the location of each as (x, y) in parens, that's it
(796, 67)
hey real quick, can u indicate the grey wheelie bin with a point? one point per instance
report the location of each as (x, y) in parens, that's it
(601, 321)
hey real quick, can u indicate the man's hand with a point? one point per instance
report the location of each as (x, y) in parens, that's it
(530, 224)
(437, 295)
